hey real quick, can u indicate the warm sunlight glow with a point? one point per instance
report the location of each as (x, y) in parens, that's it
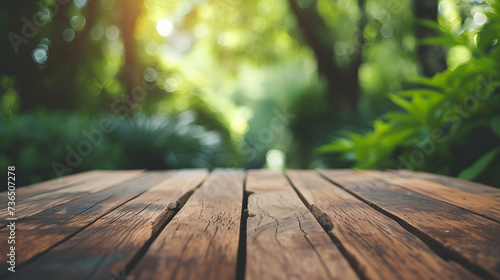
(164, 27)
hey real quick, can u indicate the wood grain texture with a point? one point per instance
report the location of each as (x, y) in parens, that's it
(366, 224)
(493, 196)
(38, 233)
(464, 234)
(201, 241)
(34, 205)
(463, 185)
(475, 203)
(23, 193)
(284, 240)
(102, 250)
(380, 247)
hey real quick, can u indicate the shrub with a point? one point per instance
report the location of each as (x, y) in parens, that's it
(449, 124)
(44, 145)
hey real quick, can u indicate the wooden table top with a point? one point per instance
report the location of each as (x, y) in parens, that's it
(257, 224)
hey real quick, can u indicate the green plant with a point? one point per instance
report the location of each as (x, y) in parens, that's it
(45, 145)
(448, 124)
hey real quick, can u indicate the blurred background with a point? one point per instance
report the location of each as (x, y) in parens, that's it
(157, 84)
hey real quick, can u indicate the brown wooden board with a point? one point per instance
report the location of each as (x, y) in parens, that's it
(23, 193)
(56, 183)
(201, 241)
(284, 240)
(38, 233)
(34, 205)
(475, 203)
(378, 246)
(463, 185)
(102, 250)
(469, 238)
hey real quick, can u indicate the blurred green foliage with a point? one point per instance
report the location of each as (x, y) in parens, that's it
(45, 145)
(252, 84)
(448, 124)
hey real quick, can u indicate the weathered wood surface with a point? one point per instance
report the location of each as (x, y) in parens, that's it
(103, 249)
(43, 231)
(475, 203)
(54, 184)
(41, 202)
(188, 224)
(201, 242)
(464, 234)
(463, 185)
(26, 192)
(380, 247)
(284, 240)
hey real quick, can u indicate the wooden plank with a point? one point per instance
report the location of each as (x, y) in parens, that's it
(23, 193)
(378, 246)
(463, 185)
(284, 240)
(102, 250)
(39, 233)
(469, 238)
(34, 205)
(201, 241)
(472, 202)
(492, 196)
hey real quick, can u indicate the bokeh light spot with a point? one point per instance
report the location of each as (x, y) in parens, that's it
(150, 75)
(112, 33)
(96, 33)
(340, 48)
(275, 159)
(78, 22)
(171, 84)
(68, 35)
(480, 18)
(80, 3)
(164, 27)
(39, 55)
(201, 30)
(458, 55)
(152, 48)
(386, 31)
(183, 44)
(107, 4)
(304, 4)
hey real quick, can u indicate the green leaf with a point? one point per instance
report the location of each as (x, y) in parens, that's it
(426, 81)
(401, 102)
(446, 41)
(430, 24)
(426, 92)
(338, 145)
(471, 172)
(396, 118)
(488, 36)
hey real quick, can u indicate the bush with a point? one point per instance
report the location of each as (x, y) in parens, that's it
(449, 124)
(43, 146)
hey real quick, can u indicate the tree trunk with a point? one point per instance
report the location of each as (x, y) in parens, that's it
(432, 58)
(131, 73)
(342, 83)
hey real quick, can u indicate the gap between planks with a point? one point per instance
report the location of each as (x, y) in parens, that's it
(478, 204)
(46, 230)
(106, 247)
(377, 246)
(211, 216)
(452, 232)
(284, 240)
(159, 229)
